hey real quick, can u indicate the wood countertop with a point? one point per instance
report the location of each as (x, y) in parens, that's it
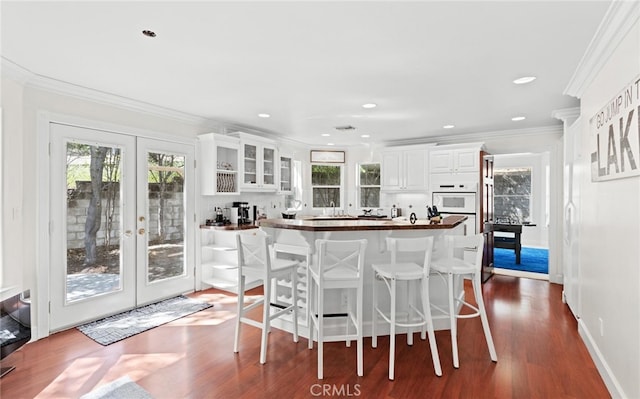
(229, 227)
(448, 222)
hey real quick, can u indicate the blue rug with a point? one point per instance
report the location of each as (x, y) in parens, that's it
(535, 260)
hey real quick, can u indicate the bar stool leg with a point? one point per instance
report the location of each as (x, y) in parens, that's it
(423, 333)
(349, 316)
(453, 320)
(477, 290)
(359, 314)
(374, 318)
(392, 334)
(240, 306)
(426, 308)
(312, 319)
(266, 322)
(410, 295)
(320, 308)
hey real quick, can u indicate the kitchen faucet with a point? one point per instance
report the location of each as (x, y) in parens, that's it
(333, 204)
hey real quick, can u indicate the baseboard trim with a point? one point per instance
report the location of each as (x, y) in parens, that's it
(605, 371)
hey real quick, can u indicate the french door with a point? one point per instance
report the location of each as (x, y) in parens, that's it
(121, 235)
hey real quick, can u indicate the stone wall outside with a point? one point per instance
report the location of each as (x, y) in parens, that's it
(78, 201)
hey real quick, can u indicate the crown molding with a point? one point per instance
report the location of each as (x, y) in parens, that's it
(567, 115)
(479, 136)
(28, 78)
(617, 22)
(14, 72)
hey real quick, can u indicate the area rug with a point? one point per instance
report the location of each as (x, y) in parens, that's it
(123, 325)
(535, 260)
(119, 389)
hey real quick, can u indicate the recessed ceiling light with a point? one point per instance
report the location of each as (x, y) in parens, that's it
(149, 33)
(330, 144)
(325, 135)
(518, 118)
(448, 126)
(365, 136)
(264, 115)
(524, 79)
(369, 105)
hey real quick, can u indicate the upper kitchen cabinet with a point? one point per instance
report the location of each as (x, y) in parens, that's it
(219, 164)
(404, 169)
(286, 174)
(258, 163)
(455, 158)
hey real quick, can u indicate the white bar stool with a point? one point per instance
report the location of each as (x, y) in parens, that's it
(464, 258)
(339, 266)
(414, 274)
(255, 258)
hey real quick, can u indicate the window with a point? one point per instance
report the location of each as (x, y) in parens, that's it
(369, 185)
(512, 195)
(326, 183)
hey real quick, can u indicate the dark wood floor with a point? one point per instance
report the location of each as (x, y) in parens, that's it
(540, 355)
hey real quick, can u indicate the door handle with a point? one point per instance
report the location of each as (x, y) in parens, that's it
(141, 231)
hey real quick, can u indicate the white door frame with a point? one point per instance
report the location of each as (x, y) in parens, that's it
(64, 313)
(41, 295)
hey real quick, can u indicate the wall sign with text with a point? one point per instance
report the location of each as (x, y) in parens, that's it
(615, 136)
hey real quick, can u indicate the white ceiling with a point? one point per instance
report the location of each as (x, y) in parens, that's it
(312, 65)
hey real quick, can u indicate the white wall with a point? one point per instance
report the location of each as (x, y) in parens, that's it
(610, 239)
(13, 208)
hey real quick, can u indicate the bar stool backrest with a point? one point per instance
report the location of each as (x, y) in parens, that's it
(468, 248)
(253, 251)
(409, 249)
(340, 259)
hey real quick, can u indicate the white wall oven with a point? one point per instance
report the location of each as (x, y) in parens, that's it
(458, 203)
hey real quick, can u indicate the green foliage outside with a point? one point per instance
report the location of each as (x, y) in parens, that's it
(369, 176)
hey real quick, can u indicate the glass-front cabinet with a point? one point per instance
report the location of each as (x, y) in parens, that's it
(258, 164)
(286, 174)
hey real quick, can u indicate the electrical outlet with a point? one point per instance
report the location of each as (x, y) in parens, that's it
(601, 326)
(344, 301)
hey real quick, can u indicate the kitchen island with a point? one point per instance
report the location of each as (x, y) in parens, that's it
(296, 238)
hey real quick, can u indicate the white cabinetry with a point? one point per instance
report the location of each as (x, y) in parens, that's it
(219, 259)
(286, 174)
(258, 163)
(404, 169)
(219, 162)
(460, 160)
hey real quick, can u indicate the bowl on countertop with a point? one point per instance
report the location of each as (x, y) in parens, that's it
(288, 215)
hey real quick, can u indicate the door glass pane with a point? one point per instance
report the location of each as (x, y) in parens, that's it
(94, 263)
(166, 212)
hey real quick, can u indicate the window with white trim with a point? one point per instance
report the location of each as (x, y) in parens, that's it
(512, 195)
(327, 185)
(368, 185)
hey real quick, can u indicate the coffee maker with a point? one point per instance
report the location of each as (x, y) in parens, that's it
(240, 213)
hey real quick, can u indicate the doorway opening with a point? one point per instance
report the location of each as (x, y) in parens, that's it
(521, 215)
